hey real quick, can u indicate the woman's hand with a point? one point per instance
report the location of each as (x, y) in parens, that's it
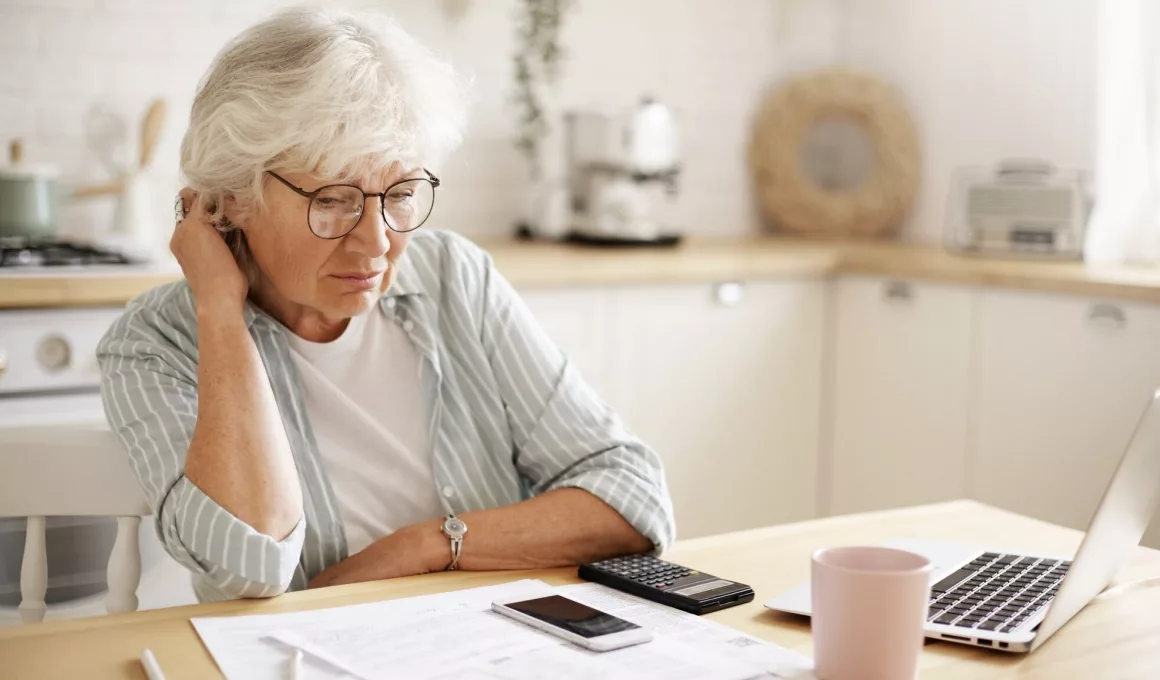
(218, 283)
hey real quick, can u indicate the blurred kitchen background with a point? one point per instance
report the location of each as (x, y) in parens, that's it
(984, 79)
(864, 282)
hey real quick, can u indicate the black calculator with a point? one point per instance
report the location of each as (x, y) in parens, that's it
(667, 583)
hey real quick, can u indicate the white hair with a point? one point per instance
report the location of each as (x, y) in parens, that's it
(318, 90)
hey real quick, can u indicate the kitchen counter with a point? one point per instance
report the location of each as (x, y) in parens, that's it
(698, 260)
(97, 286)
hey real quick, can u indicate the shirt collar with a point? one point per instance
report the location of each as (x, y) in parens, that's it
(407, 280)
(252, 313)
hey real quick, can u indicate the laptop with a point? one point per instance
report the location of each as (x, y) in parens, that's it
(1015, 602)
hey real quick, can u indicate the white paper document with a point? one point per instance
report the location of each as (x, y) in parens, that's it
(456, 635)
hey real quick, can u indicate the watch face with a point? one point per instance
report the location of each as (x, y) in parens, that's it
(455, 527)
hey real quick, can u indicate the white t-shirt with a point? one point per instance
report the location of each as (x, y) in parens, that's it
(371, 422)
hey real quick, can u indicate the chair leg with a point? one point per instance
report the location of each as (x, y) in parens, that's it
(124, 567)
(33, 573)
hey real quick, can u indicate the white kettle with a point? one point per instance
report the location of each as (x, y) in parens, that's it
(651, 141)
(642, 140)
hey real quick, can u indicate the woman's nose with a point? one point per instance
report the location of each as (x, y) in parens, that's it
(369, 236)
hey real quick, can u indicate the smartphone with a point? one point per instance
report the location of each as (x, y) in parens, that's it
(575, 622)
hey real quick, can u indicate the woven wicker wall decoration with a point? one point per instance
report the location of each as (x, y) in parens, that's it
(834, 154)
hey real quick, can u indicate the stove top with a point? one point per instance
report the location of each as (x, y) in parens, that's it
(16, 253)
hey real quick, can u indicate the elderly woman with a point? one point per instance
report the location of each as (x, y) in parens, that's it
(331, 396)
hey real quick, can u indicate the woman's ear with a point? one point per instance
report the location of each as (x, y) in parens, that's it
(232, 214)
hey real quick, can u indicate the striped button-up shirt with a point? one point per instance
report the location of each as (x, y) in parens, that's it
(511, 418)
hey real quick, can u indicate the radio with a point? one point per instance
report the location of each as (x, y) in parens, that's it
(1020, 208)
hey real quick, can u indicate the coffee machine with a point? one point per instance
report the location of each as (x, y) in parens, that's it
(620, 167)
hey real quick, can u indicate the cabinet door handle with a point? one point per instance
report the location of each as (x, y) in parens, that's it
(1107, 315)
(898, 291)
(729, 293)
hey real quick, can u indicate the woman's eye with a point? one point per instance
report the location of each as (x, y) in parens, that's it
(332, 203)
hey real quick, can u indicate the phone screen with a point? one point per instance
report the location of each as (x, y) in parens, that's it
(572, 616)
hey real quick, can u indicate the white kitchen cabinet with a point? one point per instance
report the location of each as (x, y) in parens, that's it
(723, 381)
(900, 387)
(931, 392)
(1062, 383)
(576, 320)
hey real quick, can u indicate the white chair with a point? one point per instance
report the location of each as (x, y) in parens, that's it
(71, 471)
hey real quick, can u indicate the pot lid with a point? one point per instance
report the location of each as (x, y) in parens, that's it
(28, 173)
(19, 170)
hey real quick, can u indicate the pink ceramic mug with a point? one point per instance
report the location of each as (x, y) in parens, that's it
(869, 609)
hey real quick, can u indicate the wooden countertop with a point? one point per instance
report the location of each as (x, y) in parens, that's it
(698, 260)
(1115, 636)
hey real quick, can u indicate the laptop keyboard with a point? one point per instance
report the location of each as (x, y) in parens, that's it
(996, 592)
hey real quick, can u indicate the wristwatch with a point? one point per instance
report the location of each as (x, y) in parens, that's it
(454, 528)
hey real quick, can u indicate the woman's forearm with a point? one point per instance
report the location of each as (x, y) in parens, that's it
(239, 454)
(559, 528)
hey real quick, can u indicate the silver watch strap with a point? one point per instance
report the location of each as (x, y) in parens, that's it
(456, 551)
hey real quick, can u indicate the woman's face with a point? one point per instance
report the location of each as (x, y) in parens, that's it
(311, 280)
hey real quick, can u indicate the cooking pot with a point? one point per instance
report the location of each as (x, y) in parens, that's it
(30, 199)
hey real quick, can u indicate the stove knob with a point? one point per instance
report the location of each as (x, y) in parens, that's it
(54, 353)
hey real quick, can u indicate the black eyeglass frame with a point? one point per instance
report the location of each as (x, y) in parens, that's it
(430, 178)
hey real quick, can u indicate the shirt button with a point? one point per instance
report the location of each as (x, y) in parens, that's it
(391, 302)
(448, 492)
(408, 325)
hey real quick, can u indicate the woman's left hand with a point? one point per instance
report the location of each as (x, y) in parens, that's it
(407, 552)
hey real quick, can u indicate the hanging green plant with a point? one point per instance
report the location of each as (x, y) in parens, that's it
(537, 66)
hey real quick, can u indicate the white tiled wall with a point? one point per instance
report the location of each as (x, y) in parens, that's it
(985, 79)
(709, 59)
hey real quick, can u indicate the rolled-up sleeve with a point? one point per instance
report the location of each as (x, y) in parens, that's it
(149, 392)
(564, 434)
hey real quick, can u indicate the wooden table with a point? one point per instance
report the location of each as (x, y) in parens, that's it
(1117, 636)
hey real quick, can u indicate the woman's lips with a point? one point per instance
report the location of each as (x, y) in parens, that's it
(361, 280)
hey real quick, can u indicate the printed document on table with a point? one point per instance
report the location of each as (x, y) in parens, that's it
(456, 635)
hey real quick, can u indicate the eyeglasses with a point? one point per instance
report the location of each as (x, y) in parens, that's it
(336, 209)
